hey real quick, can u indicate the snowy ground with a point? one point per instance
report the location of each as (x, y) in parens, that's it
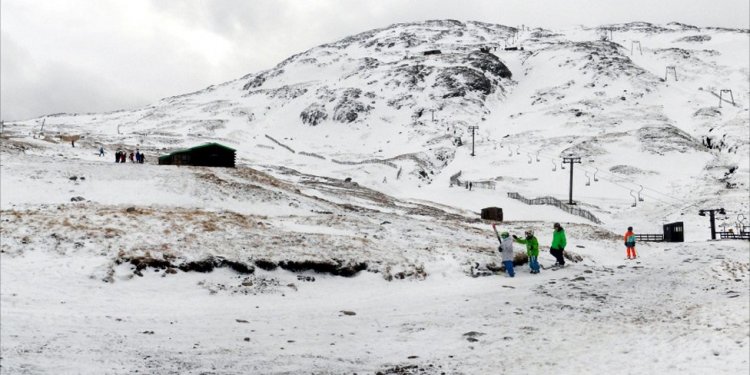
(72, 303)
(676, 310)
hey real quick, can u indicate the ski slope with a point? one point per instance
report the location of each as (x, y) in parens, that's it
(338, 244)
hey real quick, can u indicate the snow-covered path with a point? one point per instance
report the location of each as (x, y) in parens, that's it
(677, 310)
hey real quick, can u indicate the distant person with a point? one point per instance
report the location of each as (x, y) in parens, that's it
(131, 157)
(73, 142)
(506, 249)
(558, 245)
(532, 249)
(137, 156)
(117, 156)
(143, 158)
(470, 186)
(101, 151)
(629, 239)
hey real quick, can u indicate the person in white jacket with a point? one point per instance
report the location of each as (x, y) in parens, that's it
(506, 249)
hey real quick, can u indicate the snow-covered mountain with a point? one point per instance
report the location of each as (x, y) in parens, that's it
(604, 94)
(352, 160)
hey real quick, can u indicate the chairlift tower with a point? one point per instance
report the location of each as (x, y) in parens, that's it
(712, 217)
(472, 128)
(571, 160)
(721, 92)
(670, 68)
(632, 45)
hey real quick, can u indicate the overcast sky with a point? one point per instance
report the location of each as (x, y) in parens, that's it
(101, 55)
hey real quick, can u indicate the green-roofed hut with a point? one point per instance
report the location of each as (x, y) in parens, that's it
(207, 155)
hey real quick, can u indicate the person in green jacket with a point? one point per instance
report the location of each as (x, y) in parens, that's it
(532, 249)
(558, 244)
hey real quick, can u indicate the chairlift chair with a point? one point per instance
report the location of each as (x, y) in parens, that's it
(635, 200)
(588, 179)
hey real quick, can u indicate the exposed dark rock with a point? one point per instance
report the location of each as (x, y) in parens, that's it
(349, 108)
(205, 265)
(313, 114)
(413, 75)
(457, 81)
(489, 63)
(238, 267)
(707, 112)
(257, 81)
(266, 265)
(333, 267)
(694, 38)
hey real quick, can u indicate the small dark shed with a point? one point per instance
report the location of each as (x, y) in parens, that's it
(492, 213)
(432, 52)
(207, 155)
(674, 232)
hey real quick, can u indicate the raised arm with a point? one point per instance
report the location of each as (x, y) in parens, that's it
(497, 234)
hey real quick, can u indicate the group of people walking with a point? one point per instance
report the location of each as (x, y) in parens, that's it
(557, 248)
(122, 156)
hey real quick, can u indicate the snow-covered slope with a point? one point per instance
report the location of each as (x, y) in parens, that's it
(376, 96)
(349, 155)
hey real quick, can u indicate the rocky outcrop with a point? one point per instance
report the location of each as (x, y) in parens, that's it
(314, 114)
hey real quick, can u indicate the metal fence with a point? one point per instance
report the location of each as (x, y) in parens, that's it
(280, 144)
(368, 161)
(557, 203)
(455, 180)
(312, 154)
(734, 236)
(650, 237)
(483, 184)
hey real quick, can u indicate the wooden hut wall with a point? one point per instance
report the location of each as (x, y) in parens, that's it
(211, 156)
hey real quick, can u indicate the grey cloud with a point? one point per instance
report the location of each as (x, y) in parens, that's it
(126, 66)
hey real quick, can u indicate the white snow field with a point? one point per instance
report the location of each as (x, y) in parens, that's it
(341, 243)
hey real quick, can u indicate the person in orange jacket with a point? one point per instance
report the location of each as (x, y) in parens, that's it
(630, 243)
